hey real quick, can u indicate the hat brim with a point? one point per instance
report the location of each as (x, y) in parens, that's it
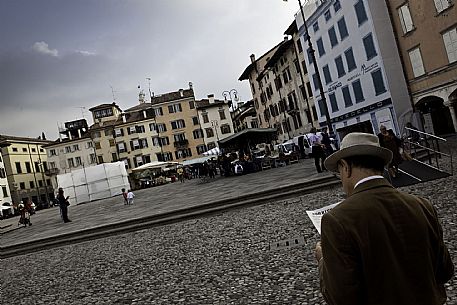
(331, 163)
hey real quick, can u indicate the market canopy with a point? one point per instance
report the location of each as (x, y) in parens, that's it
(251, 136)
(155, 165)
(212, 152)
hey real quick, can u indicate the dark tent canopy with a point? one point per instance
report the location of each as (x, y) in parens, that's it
(248, 137)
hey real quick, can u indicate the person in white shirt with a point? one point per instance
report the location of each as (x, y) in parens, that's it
(317, 150)
(130, 197)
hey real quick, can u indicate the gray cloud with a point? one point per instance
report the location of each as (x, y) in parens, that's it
(43, 48)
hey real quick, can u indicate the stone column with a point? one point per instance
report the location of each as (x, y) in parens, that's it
(451, 104)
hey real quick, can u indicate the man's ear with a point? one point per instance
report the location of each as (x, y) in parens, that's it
(347, 169)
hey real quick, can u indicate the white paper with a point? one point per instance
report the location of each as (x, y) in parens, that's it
(316, 215)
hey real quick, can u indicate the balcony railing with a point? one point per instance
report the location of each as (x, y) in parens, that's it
(181, 143)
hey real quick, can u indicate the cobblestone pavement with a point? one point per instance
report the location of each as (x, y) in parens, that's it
(219, 259)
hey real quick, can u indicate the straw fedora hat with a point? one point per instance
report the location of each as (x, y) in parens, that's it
(358, 144)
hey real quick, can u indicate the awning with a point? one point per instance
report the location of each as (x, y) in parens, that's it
(196, 160)
(155, 165)
(252, 136)
(212, 152)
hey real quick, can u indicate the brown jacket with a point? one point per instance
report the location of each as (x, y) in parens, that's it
(381, 246)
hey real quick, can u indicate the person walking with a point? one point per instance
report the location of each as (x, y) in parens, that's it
(317, 150)
(379, 246)
(63, 204)
(130, 197)
(124, 195)
(327, 142)
(389, 140)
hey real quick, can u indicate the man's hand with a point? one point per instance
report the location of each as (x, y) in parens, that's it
(318, 251)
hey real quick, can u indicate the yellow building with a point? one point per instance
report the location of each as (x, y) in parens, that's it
(25, 162)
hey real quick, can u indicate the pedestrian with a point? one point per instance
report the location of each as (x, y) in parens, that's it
(317, 150)
(130, 197)
(124, 195)
(180, 172)
(379, 246)
(327, 142)
(389, 140)
(63, 204)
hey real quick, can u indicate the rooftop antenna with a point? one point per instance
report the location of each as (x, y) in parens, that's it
(112, 92)
(151, 94)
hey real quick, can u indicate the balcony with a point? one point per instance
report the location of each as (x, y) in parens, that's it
(52, 171)
(181, 143)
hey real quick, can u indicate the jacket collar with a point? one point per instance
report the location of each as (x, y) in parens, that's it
(371, 184)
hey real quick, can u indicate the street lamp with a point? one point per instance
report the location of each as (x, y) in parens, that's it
(316, 70)
(229, 93)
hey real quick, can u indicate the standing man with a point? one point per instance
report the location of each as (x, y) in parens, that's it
(317, 150)
(63, 204)
(379, 246)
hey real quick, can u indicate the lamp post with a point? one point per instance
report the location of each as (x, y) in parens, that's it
(316, 70)
(228, 93)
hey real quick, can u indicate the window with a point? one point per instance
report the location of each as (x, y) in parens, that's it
(45, 166)
(78, 161)
(299, 46)
(205, 117)
(48, 182)
(18, 168)
(450, 43)
(315, 82)
(119, 132)
(14, 149)
(191, 104)
(52, 152)
(5, 191)
(100, 159)
(178, 124)
(333, 102)
(360, 12)
(358, 92)
(158, 127)
(22, 185)
(179, 137)
(98, 145)
(416, 62)
(198, 133)
(24, 149)
(67, 149)
(28, 168)
(174, 108)
(75, 147)
(71, 162)
(92, 159)
(310, 56)
(209, 132)
(368, 43)
(441, 5)
(320, 47)
(327, 15)
(343, 28)
(112, 142)
(201, 149)
(33, 150)
(114, 157)
(346, 96)
(2, 172)
(316, 26)
(350, 60)
(378, 82)
(121, 147)
(195, 120)
(108, 132)
(225, 128)
(332, 36)
(321, 107)
(337, 5)
(168, 156)
(222, 114)
(405, 19)
(32, 184)
(162, 141)
(52, 164)
(37, 167)
(90, 145)
(340, 66)
(327, 76)
(158, 111)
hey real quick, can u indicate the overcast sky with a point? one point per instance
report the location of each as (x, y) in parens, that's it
(57, 56)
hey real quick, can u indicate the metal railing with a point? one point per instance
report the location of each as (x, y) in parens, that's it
(428, 146)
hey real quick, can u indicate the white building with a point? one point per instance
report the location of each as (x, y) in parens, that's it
(358, 63)
(5, 194)
(215, 121)
(73, 150)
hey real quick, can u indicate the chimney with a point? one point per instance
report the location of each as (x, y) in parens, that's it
(211, 98)
(79, 133)
(285, 38)
(252, 58)
(123, 118)
(181, 92)
(191, 86)
(144, 114)
(70, 136)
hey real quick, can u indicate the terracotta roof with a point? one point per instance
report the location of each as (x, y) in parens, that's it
(173, 96)
(139, 107)
(247, 71)
(284, 46)
(67, 140)
(204, 103)
(104, 106)
(105, 124)
(6, 138)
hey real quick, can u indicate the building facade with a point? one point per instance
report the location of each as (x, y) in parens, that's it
(279, 91)
(426, 34)
(244, 116)
(25, 163)
(215, 122)
(5, 193)
(73, 150)
(359, 65)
